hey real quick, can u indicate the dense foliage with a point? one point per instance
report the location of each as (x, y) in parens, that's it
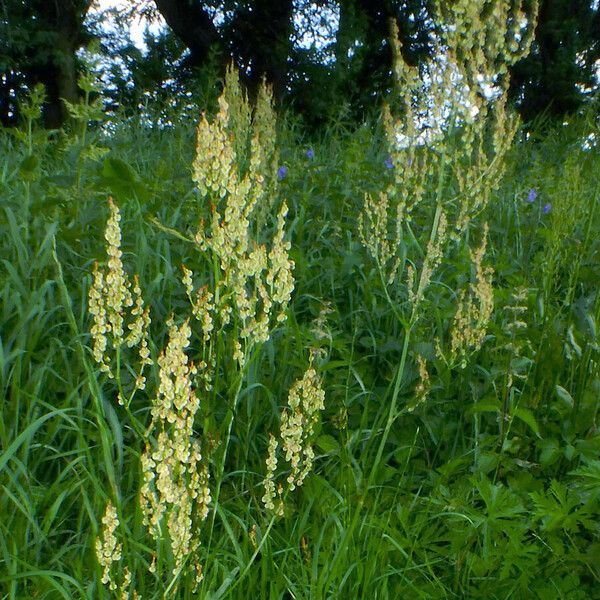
(485, 482)
(337, 46)
(241, 361)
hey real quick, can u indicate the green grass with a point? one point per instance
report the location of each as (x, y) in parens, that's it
(489, 489)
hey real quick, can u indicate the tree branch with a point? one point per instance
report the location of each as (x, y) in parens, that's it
(192, 25)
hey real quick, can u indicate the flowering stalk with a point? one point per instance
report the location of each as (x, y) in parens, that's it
(305, 401)
(175, 494)
(431, 257)
(235, 169)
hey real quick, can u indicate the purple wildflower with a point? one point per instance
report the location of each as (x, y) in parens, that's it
(310, 154)
(532, 195)
(282, 172)
(389, 163)
(547, 208)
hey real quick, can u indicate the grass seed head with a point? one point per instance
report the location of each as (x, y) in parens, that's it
(175, 490)
(112, 303)
(108, 549)
(254, 261)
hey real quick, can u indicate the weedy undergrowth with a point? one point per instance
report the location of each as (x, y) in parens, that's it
(276, 399)
(446, 149)
(248, 287)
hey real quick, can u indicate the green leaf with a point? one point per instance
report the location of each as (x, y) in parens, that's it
(550, 452)
(570, 452)
(28, 166)
(115, 168)
(328, 444)
(525, 415)
(590, 476)
(26, 435)
(484, 406)
(571, 337)
(565, 396)
(122, 179)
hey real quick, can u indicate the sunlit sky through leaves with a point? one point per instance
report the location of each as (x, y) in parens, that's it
(316, 25)
(137, 25)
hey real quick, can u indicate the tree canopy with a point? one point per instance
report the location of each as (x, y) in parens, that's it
(319, 56)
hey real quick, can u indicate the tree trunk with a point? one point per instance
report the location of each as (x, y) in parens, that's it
(60, 79)
(270, 49)
(192, 25)
(63, 24)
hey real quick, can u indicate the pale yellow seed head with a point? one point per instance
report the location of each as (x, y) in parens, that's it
(475, 307)
(268, 498)
(108, 549)
(175, 490)
(116, 304)
(257, 280)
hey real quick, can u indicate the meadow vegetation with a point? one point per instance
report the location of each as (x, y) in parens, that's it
(240, 362)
